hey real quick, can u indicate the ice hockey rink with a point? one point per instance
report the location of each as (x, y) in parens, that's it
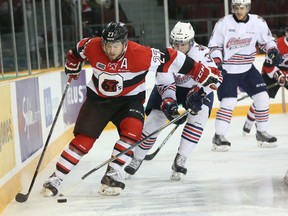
(247, 180)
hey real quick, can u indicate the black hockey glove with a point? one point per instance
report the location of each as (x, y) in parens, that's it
(275, 56)
(194, 100)
(73, 64)
(170, 108)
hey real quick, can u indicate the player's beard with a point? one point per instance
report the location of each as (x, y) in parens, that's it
(114, 57)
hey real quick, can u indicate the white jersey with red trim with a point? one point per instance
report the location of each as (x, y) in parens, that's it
(126, 77)
(199, 53)
(235, 42)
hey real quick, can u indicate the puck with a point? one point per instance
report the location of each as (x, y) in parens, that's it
(62, 200)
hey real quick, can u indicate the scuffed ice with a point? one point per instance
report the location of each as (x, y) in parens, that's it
(247, 180)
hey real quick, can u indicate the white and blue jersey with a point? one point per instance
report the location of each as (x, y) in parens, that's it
(234, 42)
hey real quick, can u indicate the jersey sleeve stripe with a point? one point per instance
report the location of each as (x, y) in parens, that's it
(163, 67)
(187, 66)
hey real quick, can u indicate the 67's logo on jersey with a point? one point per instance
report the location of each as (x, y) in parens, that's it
(110, 84)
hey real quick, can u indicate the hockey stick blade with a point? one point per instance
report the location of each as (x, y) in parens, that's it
(151, 156)
(268, 87)
(23, 197)
(136, 144)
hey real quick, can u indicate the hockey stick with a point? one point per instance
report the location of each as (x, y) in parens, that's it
(268, 87)
(136, 144)
(151, 156)
(23, 197)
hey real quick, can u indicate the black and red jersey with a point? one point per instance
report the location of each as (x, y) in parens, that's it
(126, 77)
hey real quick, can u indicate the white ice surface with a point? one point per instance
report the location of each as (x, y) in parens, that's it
(246, 181)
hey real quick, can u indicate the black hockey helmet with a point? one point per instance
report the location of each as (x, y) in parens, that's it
(114, 32)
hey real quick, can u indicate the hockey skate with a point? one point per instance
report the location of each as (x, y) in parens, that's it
(220, 143)
(265, 140)
(111, 183)
(133, 166)
(286, 178)
(246, 128)
(178, 167)
(51, 186)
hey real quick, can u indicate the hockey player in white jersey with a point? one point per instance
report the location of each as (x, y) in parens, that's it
(272, 75)
(233, 47)
(182, 39)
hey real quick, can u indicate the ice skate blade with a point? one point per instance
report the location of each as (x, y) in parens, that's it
(45, 192)
(127, 176)
(109, 191)
(221, 148)
(262, 144)
(176, 176)
(244, 133)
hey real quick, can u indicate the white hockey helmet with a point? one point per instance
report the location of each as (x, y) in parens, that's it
(246, 3)
(182, 33)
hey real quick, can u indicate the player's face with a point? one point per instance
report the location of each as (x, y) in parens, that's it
(182, 47)
(240, 11)
(113, 50)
